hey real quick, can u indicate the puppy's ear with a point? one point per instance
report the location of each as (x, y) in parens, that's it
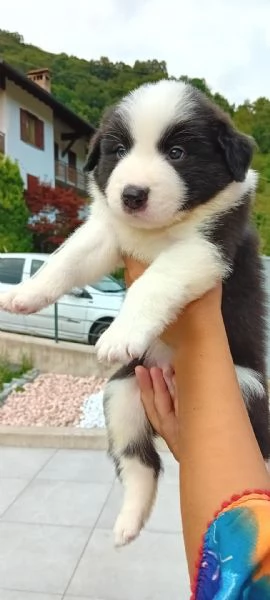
(94, 147)
(93, 152)
(238, 149)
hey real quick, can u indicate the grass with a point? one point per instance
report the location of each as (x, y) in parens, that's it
(9, 371)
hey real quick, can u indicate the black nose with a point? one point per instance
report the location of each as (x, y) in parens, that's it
(134, 196)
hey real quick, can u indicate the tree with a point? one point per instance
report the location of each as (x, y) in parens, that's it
(14, 215)
(55, 214)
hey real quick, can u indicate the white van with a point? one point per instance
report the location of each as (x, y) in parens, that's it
(83, 313)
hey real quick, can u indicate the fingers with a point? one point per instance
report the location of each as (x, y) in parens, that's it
(162, 398)
(155, 396)
(147, 396)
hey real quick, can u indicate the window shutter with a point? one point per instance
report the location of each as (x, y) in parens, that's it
(23, 122)
(39, 134)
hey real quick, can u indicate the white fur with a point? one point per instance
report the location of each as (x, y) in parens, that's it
(127, 424)
(140, 488)
(250, 383)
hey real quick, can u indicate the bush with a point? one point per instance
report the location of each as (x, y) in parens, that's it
(14, 233)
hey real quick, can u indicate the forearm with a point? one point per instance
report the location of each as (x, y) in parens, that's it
(219, 453)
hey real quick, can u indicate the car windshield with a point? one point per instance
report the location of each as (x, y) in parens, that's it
(108, 284)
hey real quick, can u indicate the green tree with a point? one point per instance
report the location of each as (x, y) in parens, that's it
(14, 215)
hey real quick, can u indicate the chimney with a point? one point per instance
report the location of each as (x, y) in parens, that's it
(41, 77)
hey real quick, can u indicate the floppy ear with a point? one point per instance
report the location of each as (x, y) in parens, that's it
(93, 153)
(237, 148)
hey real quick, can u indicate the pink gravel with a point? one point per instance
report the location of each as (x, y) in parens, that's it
(51, 399)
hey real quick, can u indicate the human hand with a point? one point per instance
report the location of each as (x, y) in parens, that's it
(160, 407)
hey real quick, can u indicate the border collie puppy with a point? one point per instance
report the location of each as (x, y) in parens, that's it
(171, 185)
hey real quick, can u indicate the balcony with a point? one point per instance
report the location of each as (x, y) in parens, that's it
(70, 177)
(2, 143)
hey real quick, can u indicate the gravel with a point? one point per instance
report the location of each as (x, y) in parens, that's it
(56, 400)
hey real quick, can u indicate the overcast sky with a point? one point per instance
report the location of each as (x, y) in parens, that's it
(225, 41)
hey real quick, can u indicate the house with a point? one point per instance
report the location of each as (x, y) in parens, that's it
(47, 139)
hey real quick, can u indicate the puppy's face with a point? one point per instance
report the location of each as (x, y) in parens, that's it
(162, 151)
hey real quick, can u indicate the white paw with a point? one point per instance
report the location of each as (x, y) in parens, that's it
(122, 342)
(127, 527)
(24, 301)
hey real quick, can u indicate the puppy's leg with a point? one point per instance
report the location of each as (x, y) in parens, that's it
(87, 255)
(132, 449)
(179, 275)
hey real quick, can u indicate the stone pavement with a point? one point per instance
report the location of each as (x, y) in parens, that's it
(57, 509)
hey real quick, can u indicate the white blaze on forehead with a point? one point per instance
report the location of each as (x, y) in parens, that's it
(151, 108)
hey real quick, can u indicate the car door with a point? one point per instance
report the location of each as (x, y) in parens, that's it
(70, 315)
(11, 273)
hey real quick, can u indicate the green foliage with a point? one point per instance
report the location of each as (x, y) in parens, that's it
(90, 86)
(8, 371)
(14, 215)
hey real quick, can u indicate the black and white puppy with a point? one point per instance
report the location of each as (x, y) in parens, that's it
(171, 186)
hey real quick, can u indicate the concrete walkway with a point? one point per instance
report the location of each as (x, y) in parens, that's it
(57, 509)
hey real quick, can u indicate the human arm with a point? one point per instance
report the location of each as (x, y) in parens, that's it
(211, 432)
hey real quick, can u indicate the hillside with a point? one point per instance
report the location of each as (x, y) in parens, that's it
(87, 87)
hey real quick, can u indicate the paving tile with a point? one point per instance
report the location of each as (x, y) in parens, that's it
(23, 462)
(60, 503)
(79, 465)
(9, 490)
(154, 566)
(166, 512)
(39, 558)
(171, 468)
(17, 595)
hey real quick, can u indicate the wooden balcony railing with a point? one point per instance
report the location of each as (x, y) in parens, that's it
(2, 143)
(70, 176)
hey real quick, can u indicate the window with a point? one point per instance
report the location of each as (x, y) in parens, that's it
(11, 270)
(108, 284)
(32, 129)
(35, 266)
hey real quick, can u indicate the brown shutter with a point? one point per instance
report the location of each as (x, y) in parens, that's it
(39, 134)
(23, 122)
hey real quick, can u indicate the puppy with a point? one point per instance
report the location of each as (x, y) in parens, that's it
(171, 185)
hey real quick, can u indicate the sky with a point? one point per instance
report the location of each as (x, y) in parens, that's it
(225, 41)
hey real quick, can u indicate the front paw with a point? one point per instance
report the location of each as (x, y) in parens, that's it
(22, 300)
(122, 342)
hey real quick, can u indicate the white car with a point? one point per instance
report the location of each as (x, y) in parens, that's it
(83, 314)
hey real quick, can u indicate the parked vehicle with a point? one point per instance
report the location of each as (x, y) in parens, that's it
(83, 314)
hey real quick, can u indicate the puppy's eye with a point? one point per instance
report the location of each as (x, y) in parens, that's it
(120, 151)
(175, 153)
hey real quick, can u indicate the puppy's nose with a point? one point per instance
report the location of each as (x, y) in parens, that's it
(134, 197)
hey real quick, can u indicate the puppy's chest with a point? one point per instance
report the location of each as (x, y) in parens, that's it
(146, 245)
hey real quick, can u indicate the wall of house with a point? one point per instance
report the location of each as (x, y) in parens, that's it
(32, 161)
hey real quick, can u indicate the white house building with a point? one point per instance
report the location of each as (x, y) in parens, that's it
(46, 138)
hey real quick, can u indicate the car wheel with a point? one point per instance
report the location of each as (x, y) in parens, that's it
(97, 330)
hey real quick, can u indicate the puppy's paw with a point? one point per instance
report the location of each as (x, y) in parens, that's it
(22, 300)
(127, 527)
(122, 342)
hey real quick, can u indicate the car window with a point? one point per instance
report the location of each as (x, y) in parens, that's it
(11, 270)
(107, 284)
(35, 266)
